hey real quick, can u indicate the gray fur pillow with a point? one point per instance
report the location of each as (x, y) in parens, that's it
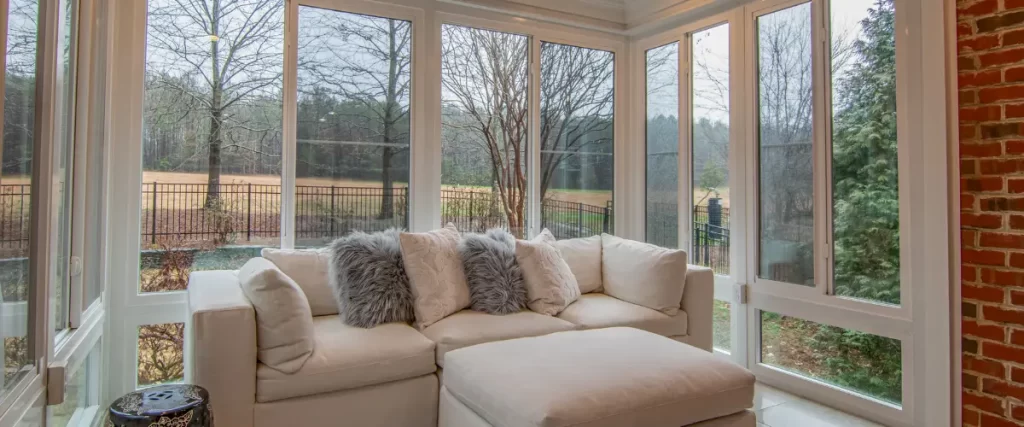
(369, 280)
(495, 280)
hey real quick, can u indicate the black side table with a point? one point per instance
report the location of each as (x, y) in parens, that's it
(178, 405)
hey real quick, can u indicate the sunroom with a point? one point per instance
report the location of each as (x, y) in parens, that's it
(803, 153)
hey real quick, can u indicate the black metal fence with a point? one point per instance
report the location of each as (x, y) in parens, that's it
(250, 212)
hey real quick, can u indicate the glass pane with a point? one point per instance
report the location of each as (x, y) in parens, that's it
(865, 182)
(160, 352)
(484, 132)
(577, 137)
(64, 153)
(786, 210)
(710, 133)
(211, 192)
(81, 395)
(15, 189)
(352, 169)
(663, 145)
(722, 326)
(94, 239)
(857, 361)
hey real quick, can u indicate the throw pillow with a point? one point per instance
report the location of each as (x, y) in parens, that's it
(644, 274)
(369, 280)
(495, 280)
(308, 268)
(550, 284)
(435, 272)
(284, 323)
(584, 258)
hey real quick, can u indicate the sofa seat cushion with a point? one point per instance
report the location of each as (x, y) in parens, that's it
(596, 311)
(597, 378)
(346, 357)
(468, 327)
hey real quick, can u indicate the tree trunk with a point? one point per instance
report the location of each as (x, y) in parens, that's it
(387, 204)
(216, 113)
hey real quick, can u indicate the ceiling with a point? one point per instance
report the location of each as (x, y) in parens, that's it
(610, 15)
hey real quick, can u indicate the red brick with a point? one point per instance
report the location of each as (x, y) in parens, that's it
(968, 167)
(1001, 204)
(983, 330)
(968, 132)
(1011, 56)
(1000, 166)
(983, 402)
(1002, 240)
(979, 43)
(1016, 374)
(1012, 75)
(966, 63)
(970, 417)
(996, 94)
(966, 201)
(968, 273)
(1017, 298)
(987, 183)
(984, 113)
(1015, 37)
(983, 257)
(983, 149)
(1002, 315)
(1017, 337)
(1014, 147)
(983, 293)
(1015, 111)
(968, 97)
(981, 8)
(969, 239)
(1013, 4)
(1002, 388)
(1017, 411)
(981, 220)
(1017, 260)
(980, 78)
(964, 29)
(1015, 185)
(1002, 278)
(988, 420)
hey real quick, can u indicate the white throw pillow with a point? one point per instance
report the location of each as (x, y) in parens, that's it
(644, 274)
(284, 324)
(308, 268)
(584, 258)
(550, 284)
(436, 278)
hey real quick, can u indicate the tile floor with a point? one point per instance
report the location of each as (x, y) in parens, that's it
(776, 408)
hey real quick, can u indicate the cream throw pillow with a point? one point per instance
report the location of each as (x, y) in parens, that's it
(584, 258)
(284, 323)
(644, 274)
(308, 268)
(550, 284)
(434, 267)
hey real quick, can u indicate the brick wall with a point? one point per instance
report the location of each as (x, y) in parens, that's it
(991, 80)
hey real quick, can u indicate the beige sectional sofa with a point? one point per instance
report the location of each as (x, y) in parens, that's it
(388, 375)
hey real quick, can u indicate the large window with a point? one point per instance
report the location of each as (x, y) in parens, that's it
(17, 357)
(709, 136)
(786, 181)
(211, 150)
(354, 85)
(485, 132)
(662, 97)
(577, 140)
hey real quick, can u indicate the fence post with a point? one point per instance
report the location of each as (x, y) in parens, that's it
(714, 217)
(332, 211)
(607, 218)
(579, 220)
(248, 215)
(153, 216)
(471, 201)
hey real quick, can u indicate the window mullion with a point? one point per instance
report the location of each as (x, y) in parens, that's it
(288, 127)
(821, 149)
(534, 202)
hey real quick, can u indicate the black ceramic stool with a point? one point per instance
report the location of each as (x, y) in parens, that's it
(179, 405)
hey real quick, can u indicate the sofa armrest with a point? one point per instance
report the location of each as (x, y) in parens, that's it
(221, 340)
(699, 305)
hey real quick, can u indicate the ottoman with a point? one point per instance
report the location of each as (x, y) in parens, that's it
(604, 377)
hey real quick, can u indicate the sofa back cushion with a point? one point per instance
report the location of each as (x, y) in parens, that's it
(550, 284)
(436, 277)
(308, 268)
(495, 280)
(643, 274)
(284, 323)
(369, 280)
(584, 258)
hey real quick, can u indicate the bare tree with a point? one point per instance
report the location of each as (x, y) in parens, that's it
(485, 78)
(576, 105)
(231, 50)
(366, 61)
